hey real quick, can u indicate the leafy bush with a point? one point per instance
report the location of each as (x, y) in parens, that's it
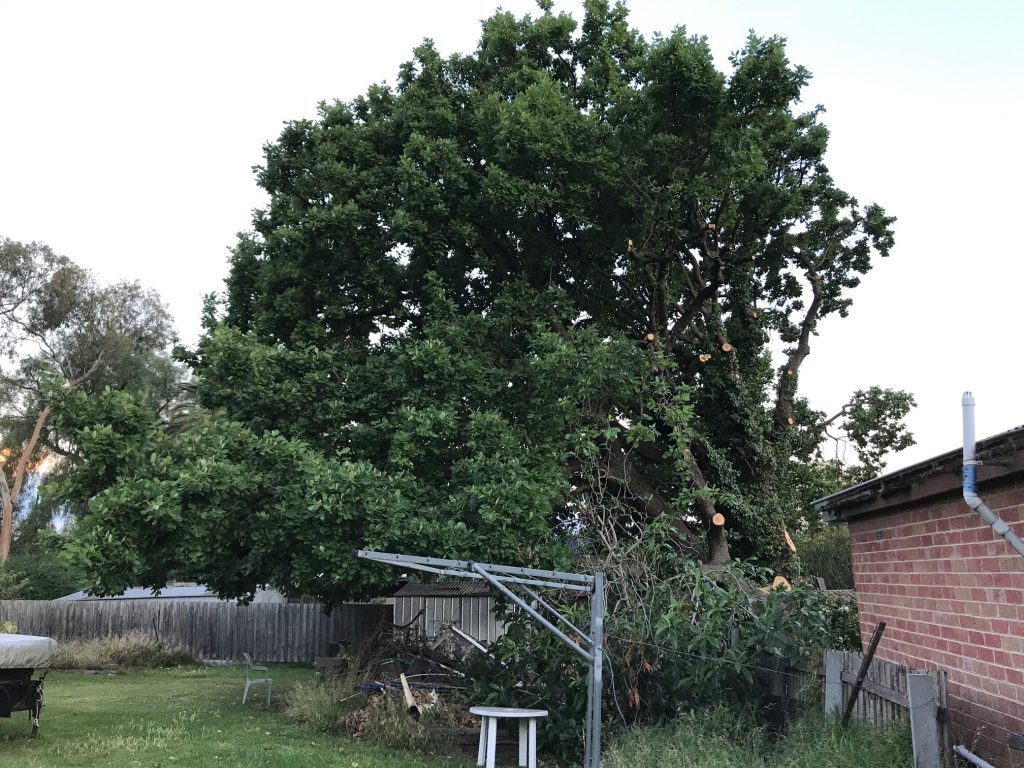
(38, 573)
(843, 621)
(12, 584)
(676, 643)
(826, 553)
(8, 628)
(132, 650)
(721, 737)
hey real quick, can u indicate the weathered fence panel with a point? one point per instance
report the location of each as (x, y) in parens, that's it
(802, 682)
(885, 698)
(275, 632)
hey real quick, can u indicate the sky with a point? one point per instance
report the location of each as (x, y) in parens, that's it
(129, 131)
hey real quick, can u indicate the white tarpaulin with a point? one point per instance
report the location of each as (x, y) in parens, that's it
(26, 651)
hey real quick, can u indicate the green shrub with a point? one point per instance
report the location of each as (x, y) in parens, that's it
(12, 584)
(826, 553)
(8, 628)
(697, 637)
(38, 573)
(843, 620)
(132, 650)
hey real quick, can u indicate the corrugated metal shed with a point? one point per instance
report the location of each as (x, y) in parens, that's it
(467, 604)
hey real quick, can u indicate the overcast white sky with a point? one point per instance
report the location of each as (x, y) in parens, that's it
(128, 131)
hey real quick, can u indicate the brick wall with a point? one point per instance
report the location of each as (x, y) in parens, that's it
(952, 595)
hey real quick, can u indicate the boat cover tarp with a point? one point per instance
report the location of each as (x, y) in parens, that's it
(26, 651)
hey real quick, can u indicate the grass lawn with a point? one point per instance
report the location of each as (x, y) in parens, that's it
(190, 716)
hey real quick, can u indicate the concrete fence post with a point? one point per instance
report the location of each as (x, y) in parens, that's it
(923, 702)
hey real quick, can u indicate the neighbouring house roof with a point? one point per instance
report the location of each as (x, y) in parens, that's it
(460, 588)
(173, 592)
(1002, 456)
(144, 593)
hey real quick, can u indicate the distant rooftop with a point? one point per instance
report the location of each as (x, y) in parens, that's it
(177, 591)
(144, 593)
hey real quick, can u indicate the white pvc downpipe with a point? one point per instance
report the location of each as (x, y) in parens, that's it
(970, 482)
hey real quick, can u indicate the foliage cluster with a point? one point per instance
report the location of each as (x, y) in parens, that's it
(12, 584)
(39, 572)
(693, 638)
(60, 328)
(466, 464)
(843, 621)
(826, 552)
(721, 737)
(8, 628)
(134, 650)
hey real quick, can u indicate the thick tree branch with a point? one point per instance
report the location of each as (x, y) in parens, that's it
(785, 389)
(718, 543)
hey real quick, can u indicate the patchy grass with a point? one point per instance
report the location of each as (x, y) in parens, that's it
(720, 738)
(188, 716)
(133, 650)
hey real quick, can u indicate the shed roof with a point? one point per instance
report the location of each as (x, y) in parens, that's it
(459, 588)
(1001, 455)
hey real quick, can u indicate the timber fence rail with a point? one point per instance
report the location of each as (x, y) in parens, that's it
(287, 632)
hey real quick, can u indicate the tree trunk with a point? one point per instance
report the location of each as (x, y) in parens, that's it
(7, 525)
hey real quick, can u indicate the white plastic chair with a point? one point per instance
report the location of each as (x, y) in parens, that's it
(252, 670)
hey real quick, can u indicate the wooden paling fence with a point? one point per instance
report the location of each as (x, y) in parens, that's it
(287, 632)
(801, 683)
(890, 693)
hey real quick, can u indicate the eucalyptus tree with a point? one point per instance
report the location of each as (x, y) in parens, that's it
(59, 328)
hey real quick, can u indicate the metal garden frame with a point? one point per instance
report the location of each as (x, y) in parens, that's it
(591, 645)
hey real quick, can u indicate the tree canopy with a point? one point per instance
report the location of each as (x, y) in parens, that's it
(519, 306)
(60, 328)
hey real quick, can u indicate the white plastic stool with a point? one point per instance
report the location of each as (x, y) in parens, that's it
(489, 733)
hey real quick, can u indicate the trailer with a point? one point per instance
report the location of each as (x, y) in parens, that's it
(21, 658)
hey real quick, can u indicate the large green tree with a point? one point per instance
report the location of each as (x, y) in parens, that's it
(521, 302)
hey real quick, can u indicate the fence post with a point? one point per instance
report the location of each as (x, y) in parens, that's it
(833, 683)
(923, 702)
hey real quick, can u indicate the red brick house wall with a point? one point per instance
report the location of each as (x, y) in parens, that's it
(952, 595)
